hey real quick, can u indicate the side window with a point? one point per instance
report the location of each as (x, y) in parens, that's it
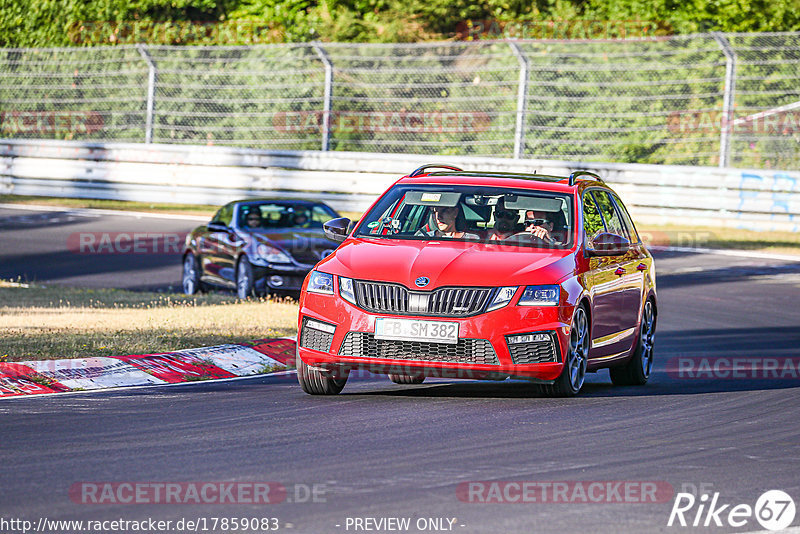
(626, 219)
(320, 215)
(609, 212)
(224, 215)
(592, 222)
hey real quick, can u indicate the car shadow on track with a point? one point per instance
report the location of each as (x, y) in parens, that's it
(687, 363)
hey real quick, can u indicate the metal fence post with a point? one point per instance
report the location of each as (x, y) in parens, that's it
(726, 133)
(151, 92)
(522, 92)
(326, 99)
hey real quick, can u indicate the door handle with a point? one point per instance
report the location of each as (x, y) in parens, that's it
(620, 271)
(641, 267)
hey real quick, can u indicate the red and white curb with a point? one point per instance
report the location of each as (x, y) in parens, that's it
(265, 356)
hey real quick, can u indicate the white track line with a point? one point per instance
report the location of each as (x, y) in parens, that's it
(97, 211)
(729, 252)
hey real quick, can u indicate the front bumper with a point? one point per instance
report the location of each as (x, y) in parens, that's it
(345, 339)
(282, 277)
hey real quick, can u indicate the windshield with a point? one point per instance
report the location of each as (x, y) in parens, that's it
(493, 215)
(268, 216)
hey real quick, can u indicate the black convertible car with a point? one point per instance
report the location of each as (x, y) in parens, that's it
(257, 246)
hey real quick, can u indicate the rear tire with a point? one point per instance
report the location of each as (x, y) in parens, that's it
(637, 370)
(190, 281)
(407, 379)
(318, 382)
(570, 381)
(245, 286)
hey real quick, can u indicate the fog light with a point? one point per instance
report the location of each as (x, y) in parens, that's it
(527, 338)
(276, 281)
(317, 325)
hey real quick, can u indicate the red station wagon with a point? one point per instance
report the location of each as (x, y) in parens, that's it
(482, 275)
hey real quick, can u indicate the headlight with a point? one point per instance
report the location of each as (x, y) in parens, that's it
(502, 297)
(272, 254)
(320, 283)
(540, 296)
(346, 289)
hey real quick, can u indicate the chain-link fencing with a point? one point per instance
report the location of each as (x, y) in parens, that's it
(710, 99)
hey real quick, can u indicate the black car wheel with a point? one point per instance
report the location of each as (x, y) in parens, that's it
(570, 380)
(245, 286)
(319, 382)
(406, 379)
(190, 280)
(637, 370)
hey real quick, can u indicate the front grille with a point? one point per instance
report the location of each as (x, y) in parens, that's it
(383, 297)
(471, 351)
(311, 338)
(534, 352)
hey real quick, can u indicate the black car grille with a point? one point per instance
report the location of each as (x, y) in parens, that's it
(445, 302)
(364, 345)
(533, 352)
(311, 338)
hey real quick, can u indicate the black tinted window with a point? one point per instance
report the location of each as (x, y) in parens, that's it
(224, 215)
(626, 219)
(609, 213)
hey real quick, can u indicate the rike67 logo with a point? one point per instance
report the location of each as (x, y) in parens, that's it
(774, 510)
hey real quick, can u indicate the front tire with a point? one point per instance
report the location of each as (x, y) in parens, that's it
(245, 286)
(407, 379)
(570, 381)
(637, 370)
(318, 382)
(190, 281)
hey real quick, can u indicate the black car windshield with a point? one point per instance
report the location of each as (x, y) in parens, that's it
(270, 216)
(493, 215)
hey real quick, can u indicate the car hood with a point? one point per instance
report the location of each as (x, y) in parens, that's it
(304, 245)
(448, 264)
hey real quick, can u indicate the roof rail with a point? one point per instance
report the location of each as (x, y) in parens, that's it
(421, 170)
(577, 174)
(499, 174)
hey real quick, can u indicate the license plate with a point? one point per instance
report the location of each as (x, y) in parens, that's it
(414, 330)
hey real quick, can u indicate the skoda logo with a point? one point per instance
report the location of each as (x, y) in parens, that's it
(422, 281)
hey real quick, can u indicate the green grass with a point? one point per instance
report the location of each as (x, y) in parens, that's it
(722, 238)
(151, 207)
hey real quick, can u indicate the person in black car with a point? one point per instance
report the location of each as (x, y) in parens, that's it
(253, 219)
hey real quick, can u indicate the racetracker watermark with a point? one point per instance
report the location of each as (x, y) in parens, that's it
(50, 122)
(196, 493)
(565, 491)
(232, 32)
(383, 121)
(687, 239)
(472, 30)
(715, 122)
(734, 367)
(773, 510)
(125, 242)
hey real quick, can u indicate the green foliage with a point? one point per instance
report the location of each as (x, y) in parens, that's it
(44, 23)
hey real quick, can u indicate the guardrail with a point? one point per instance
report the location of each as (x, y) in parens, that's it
(350, 181)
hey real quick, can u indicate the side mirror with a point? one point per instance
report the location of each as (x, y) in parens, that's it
(607, 244)
(216, 227)
(338, 229)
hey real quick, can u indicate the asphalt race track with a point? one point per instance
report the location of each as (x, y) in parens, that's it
(45, 246)
(380, 450)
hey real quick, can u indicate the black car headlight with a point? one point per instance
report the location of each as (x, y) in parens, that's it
(272, 254)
